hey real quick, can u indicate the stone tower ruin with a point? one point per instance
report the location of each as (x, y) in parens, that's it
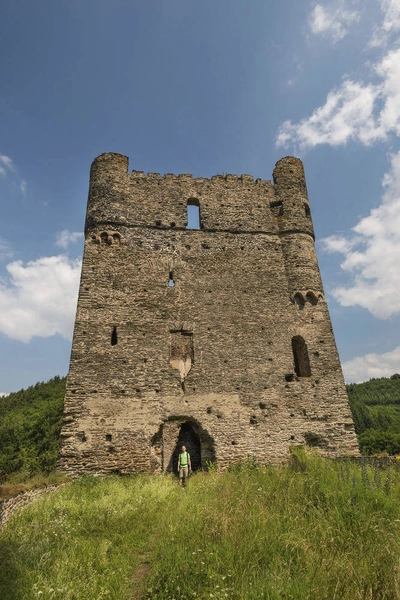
(214, 334)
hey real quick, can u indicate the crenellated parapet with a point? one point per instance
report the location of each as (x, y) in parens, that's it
(237, 203)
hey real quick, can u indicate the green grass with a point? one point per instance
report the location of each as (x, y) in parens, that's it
(315, 529)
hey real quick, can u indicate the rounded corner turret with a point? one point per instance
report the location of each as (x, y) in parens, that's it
(110, 161)
(290, 190)
(288, 168)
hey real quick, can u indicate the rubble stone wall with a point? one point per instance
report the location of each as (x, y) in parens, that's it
(219, 337)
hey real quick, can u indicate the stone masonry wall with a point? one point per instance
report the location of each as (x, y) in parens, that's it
(217, 337)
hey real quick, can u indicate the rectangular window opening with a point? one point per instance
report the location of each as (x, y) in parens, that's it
(193, 214)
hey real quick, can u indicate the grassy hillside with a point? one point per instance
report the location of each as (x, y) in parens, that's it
(375, 405)
(312, 530)
(30, 423)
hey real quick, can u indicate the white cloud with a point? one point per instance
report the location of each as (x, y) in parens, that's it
(372, 254)
(40, 299)
(354, 111)
(363, 368)
(3, 394)
(348, 113)
(66, 237)
(332, 22)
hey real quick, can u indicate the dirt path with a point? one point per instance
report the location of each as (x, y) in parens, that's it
(140, 575)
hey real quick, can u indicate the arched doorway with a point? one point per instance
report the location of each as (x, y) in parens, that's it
(183, 431)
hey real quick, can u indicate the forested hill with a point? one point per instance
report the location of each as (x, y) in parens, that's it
(30, 423)
(375, 405)
(376, 391)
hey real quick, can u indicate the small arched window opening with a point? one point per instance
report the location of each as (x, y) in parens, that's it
(300, 355)
(171, 281)
(193, 214)
(306, 210)
(114, 337)
(312, 298)
(299, 299)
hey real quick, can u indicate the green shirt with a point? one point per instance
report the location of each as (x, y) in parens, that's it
(184, 458)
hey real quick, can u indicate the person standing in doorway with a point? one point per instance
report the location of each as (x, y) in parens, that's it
(184, 466)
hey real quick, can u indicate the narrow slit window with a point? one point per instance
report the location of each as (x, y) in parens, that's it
(301, 359)
(171, 282)
(114, 337)
(193, 214)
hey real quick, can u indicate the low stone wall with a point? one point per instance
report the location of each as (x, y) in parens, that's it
(12, 505)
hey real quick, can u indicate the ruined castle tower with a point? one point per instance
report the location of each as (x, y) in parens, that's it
(215, 334)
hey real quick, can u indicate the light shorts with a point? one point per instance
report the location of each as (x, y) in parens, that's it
(183, 472)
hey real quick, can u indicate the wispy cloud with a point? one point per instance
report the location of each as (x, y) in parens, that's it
(332, 21)
(6, 251)
(40, 298)
(390, 22)
(6, 165)
(9, 169)
(66, 237)
(363, 368)
(372, 254)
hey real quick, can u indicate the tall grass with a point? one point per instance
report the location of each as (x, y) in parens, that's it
(314, 529)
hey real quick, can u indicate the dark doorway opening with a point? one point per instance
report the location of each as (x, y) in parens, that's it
(188, 437)
(181, 431)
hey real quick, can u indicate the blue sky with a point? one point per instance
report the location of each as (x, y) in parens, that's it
(218, 86)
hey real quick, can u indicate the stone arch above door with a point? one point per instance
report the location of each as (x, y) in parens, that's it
(186, 431)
